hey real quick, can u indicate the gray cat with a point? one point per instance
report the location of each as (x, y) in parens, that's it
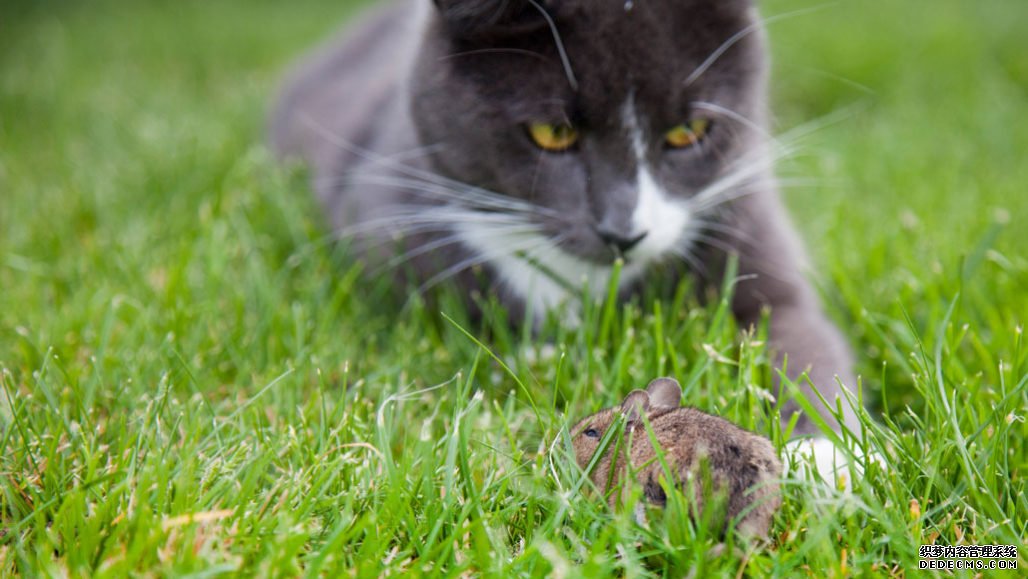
(522, 146)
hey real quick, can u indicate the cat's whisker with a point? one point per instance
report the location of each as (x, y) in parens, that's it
(416, 152)
(740, 35)
(753, 166)
(452, 239)
(796, 182)
(699, 234)
(405, 257)
(389, 160)
(765, 266)
(846, 81)
(454, 193)
(408, 170)
(482, 257)
(385, 224)
(537, 261)
(726, 229)
(535, 173)
(736, 183)
(744, 247)
(560, 45)
(451, 226)
(426, 220)
(477, 258)
(468, 196)
(480, 51)
(741, 119)
(684, 252)
(835, 117)
(724, 195)
(720, 50)
(544, 250)
(731, 186)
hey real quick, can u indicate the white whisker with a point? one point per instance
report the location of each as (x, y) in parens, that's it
(730, 186)
(416, 152)
(481, 257)
(452, 239)
(517, 51)
(570, 74)
(426, 219)
(837, 116)
(765, 266)
(752, 125)
(794, 182)
(432, 178)
(690, 258)
(464, 195)
(729, 230)
(750, 168)
(735, 38)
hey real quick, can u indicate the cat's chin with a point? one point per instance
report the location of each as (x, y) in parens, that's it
(538, 272)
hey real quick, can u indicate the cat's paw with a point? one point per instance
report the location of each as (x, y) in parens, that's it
(821, 460)
(534, 354)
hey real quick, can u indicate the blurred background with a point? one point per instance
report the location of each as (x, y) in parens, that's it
(128, 129)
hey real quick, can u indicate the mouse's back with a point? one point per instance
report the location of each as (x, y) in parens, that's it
(741, 466)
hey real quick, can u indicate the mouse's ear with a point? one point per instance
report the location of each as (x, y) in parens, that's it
(636, 404)
(665, 393)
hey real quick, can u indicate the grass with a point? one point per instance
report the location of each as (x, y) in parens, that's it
(194, 381)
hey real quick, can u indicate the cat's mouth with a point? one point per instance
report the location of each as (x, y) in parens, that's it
(619, 244)
(600, 249)
(548, 265)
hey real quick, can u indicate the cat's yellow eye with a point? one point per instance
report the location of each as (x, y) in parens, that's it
(687, 134)
(553, 137)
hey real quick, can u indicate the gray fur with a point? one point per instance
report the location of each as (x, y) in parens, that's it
(413, 122)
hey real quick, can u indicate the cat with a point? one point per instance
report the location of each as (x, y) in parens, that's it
(535, 142)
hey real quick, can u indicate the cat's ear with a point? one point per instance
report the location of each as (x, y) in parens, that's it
(471, 19)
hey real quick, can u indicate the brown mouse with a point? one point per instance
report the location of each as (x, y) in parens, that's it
(742, 466)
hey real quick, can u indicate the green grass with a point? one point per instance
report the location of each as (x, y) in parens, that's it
(178, 337)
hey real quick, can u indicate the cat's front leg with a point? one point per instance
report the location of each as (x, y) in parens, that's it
(803, 339)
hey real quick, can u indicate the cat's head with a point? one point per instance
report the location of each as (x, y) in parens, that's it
(609, 124)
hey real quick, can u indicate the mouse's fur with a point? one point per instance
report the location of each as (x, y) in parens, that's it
(742, 466)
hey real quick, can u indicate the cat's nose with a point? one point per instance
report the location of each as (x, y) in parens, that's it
(619, 241)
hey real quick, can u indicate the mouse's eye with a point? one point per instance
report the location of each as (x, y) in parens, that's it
(553, 138)
(687, 134)
(592, 433)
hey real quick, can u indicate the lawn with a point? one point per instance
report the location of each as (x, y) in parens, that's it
(195, 381)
